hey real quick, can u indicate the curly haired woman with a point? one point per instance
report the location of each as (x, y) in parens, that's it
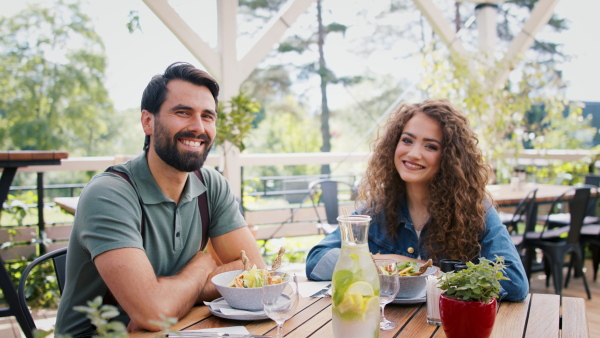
(425, 191)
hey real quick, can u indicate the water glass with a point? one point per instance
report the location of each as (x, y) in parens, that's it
(389, 286)
(281, 300)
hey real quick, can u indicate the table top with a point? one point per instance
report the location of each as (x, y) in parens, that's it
(538, 316)
(504, 195)
(23, 158)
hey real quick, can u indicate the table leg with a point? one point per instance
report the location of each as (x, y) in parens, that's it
(41, 224)
(7, 177)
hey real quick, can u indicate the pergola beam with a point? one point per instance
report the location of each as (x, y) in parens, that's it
(271, 34)
(540, 15)
(441, 26)
(190, 39)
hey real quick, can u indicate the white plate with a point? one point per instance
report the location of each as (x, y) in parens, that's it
(218, 313)
(421, 298)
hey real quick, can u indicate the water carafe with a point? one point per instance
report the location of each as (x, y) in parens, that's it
(355, 282)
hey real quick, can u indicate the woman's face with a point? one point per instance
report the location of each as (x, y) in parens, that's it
(419, 151)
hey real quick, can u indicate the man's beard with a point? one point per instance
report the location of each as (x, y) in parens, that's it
(166, 149)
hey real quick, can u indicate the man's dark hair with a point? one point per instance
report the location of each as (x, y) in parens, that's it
(155, 93)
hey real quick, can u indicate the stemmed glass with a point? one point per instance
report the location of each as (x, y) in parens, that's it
(389, 286)
(281, 300)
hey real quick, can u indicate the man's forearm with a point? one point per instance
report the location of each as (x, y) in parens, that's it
(209, 291)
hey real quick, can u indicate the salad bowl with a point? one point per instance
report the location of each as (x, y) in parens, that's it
(242, 298)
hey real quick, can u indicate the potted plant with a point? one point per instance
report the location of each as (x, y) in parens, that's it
(468, 303)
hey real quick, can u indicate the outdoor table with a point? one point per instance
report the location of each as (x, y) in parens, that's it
(10, 161)
(538, 316)
(504, 195)
(68, 204)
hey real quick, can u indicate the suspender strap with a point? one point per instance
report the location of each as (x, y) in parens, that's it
(204, 216)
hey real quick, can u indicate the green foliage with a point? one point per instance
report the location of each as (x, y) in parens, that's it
(41, 288)
(479, 282)
(52, 93)
(236, 120)
(500, 116)
(17, 208)
(100, 316)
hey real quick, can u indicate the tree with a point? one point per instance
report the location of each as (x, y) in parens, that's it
(52, 94)
(301, 44)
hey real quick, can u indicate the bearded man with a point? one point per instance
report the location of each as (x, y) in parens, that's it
(137, 234)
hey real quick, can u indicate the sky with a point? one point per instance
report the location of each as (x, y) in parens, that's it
(134, 58)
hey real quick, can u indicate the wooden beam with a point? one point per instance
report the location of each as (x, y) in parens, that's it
(441, 26)
(540, 15)
(190, 39)
(271, 34)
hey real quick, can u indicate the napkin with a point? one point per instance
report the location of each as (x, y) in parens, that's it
(308, 289)
(229, 330)
(222, 306)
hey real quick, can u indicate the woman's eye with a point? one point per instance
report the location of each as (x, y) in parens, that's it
(432, 147)
(406, 140)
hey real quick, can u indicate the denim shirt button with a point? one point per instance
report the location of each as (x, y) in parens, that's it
(411, 250)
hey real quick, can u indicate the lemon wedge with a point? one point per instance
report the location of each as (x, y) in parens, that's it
(360, 288)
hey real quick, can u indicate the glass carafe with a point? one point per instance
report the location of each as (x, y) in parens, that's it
(355, 282)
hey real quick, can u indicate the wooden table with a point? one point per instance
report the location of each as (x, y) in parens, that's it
(68, 204)
(504, 195)
(538, 316)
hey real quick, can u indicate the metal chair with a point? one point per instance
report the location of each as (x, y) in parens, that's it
(591, 217)
(510, 220)
(59, 258)
(326, 191)
(10, 296)
(555, 248)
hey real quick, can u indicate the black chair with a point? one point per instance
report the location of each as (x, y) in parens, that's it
(591, 217)
(326, 191)
(59, 258)
(511, 220)
(10, 296)
(555, 248)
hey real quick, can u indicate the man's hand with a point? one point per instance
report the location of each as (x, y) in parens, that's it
(129, 275)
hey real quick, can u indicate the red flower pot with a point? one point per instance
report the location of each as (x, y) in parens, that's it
(467, 319)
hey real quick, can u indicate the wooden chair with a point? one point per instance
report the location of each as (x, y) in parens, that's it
(59, 258)
(10, 296)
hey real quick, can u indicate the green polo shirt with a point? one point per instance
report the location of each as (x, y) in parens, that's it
(109, 217)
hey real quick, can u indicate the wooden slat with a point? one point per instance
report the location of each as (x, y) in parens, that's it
(59, 232)
(543, 320)
(417, 327)
(23, 234)
(19, 251)
(288, 230)
(310, 324)
(574, 318)
(513, 318)
(57, 245)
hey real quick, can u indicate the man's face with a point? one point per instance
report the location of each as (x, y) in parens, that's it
(184, 129)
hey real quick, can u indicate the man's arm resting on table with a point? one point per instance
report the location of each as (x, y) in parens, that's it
(228, 247)
(129, 275)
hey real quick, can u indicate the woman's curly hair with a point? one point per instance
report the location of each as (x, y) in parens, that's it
(456, 192)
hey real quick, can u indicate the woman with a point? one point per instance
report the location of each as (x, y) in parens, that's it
(425, 191)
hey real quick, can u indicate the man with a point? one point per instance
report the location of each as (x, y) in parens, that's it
(138, 241)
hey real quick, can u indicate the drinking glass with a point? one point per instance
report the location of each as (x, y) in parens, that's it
(281, 300)
(389, 286)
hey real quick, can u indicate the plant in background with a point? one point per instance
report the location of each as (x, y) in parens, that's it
(479, 282)
(237, 119)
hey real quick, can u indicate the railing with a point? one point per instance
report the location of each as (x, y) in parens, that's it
(297, 219)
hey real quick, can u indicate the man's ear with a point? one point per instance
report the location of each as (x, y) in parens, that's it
(147, 120)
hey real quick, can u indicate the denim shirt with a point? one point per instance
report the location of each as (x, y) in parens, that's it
(322, 258)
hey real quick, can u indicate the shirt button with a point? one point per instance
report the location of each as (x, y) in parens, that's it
(411, 250)
(177, 235)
